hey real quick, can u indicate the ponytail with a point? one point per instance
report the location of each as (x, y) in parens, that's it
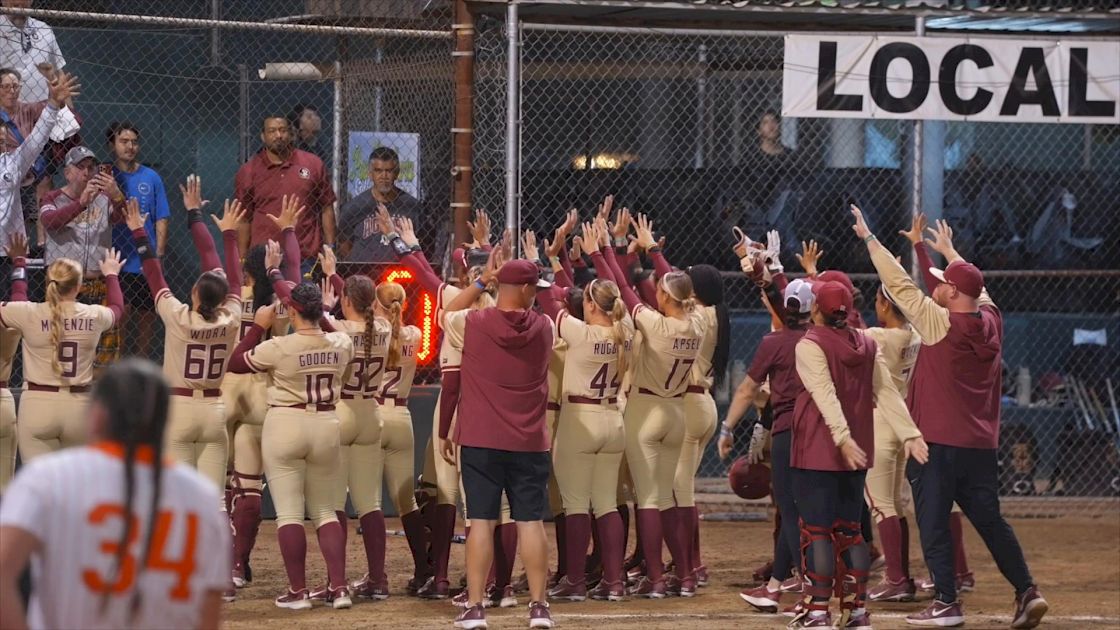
(212, 289)
(618, 315)
(391, 298)
(606, 295)
(63, 278)
(707, 287)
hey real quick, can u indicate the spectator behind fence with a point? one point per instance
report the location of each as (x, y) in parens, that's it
(29, 46)
(76, 221)
(307, 126)
(143, 183)
(358, 233)
(277, 170)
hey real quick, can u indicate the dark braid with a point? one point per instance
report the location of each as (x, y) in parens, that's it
(361, 293)
(262, 286)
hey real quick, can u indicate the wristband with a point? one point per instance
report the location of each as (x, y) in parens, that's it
(194, 215)
(654, 249)
(620, 242)
(143, 247)
(725, 432)
(18, 273)
(869, 238)
(555, 260)
(415, 247)
(480, 285)
(399, 246)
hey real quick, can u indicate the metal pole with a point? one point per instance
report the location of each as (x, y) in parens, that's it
(513, 119)
(378, 91)
(336, 133)
(243, 110)
(701, 107)
(215, 34)
(462, 132)
(916, 159)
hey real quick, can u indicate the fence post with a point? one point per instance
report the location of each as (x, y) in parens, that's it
(916, 158)
(513, 120)
(462, 130)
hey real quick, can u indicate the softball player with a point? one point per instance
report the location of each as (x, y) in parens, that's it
(360, 422)
(199, 337)
(700, 408)
(590, 439)
(131, 545)
(845, 379)
(654, 416)
(300, 440)
(59, 343)
(9, 343)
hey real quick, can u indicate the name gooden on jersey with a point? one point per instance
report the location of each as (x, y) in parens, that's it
(314, 359)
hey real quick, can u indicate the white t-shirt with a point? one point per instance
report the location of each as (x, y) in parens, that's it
(24, 49)
(72, 502)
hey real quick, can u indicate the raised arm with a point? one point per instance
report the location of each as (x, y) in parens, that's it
(62, 88)
(629, 297)
(17, 253)
(110, 269)
(149, 262)
(232, 216)
(661, 267)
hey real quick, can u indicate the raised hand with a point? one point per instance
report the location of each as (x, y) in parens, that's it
(480, 228)
(384, 221)
(328, 261)
(107, 184)
(498, 257)
(742, 242)
(621, 225)
(192, 193)
(918, 225)
(603, 230)
(112, 263)
(132, 217)
(63, 87)
(325, 287)
(773, 244)
(645, 233)
(529, 249)
(860, 227)
(810, 255)
(290, 211)
(232, 215)
(264, 316)
(942, 241)
(405, 229)
(273, 255)
(605, 208)
(577, 248)
(17, 245)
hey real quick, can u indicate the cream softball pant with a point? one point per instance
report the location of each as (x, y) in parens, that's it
(699, 426)
(398, 459)
(301, 453)
(50, 421)
(359, 430)
(447, 475)
(555, 500)
(654, 435)
(196, 433)
(586, 457)
(245, 397)
(7, 436)
(888, 493)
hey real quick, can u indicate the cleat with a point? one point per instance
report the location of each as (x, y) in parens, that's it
(462, 598)
(365, 589)
(688, 587)
(592, 577)
(1029, 609)
(887, 591)
(862, 621)
(966, 582)
(553, 580)
(507, 599)
(795, 610)
(522, 584)
(763, 573)
(605, 592)
(433, 589)
(810, 620)
(648, 589)
(321, 594)
(472, 618)
(229, 595)
(938, 614)
(793, 585)
(294, 600)
(672, 585)
(539, 616)
(762, 598)
(340, 598)
(565, 590)
(702, 576)
(414, 584)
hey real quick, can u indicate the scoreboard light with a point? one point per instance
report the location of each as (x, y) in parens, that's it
(423, 312)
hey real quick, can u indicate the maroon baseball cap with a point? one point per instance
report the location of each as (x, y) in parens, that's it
(521, 272)
(832, 297)
(963, 275)
(833, 275)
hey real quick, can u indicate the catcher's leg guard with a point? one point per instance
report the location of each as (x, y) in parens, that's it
(245, 518)
(852, 564)
(817, 563)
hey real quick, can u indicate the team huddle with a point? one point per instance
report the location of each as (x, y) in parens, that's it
(596, 415)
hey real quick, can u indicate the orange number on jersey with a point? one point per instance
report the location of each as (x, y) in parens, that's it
(183, 568)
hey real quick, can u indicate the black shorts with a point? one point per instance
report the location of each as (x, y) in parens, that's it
(137, 295)
(488, 472)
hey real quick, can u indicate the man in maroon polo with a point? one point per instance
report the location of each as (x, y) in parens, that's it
(501, 429)
(278, 170)
(954, 399)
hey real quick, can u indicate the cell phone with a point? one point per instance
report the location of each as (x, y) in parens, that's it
(105, 169)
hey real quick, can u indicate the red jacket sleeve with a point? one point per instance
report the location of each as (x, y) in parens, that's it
(239, 363)
(337, 284)
(54, 217)
(628, 296)
(424, 273)
(648, 291)
(602, 269)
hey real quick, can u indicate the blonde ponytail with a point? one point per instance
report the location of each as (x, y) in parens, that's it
(391, 297)
(605, 295)
(678, 285)
(618, 314)
(63, 278)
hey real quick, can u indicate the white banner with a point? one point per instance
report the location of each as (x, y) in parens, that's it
(952, 78)
(362, 143)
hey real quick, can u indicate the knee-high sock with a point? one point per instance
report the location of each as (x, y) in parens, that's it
(649, 540)
(956, 530)
(334, 552)
(678, 537)
(577, 527)
(624, 514)
(417, 536)
(293, 549)
(693, 514)
(613, 546)
(904, 544)
(344, 521)
(890, 538)
(595, 559)
(443, 527)
(246, 520)
(373, 538)
(559, 522)
(505, 553)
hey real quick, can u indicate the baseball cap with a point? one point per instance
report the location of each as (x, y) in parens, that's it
(802, 291)
(832, 298)
(833, 275)
(77, 154)
(521, 272)
(963, 275)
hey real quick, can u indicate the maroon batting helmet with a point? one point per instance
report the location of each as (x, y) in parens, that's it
(749, 481)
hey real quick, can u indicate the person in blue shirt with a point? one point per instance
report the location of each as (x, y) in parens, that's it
(144, 184)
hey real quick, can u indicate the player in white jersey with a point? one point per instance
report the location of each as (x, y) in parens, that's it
(131, 545)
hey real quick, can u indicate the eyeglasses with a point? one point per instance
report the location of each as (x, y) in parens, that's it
(12, 87)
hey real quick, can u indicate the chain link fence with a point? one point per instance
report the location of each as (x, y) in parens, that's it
(684, 126)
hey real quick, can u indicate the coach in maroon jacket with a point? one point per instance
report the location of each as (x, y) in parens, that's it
(954, 399)
(501, 427)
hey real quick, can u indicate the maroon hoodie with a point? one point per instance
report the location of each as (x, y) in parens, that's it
(851, 364)
(504, 386)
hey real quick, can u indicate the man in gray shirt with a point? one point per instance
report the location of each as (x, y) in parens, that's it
(77, 217)
(358, 235)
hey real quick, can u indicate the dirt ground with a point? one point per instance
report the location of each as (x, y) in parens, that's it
(1076, 562)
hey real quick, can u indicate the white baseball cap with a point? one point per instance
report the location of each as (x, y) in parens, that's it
(802, 291)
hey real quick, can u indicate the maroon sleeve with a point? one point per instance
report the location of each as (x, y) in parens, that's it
(54, 217)
(780, 282)
(661, 266)
(424, 273)
(551, 301)
(114, 297)
(282, 286)
(290, 265)
(448, 401)
(627, 259)
(337, 284)
(326, 326)
(566, 265)
(233, 261)
(602, 269)
(238, 363)
(153, 270)
(628, 296)
(203, 241)
(326, 195)
(925, 263)
(19, 287)
(648, 291)
(763, 357)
